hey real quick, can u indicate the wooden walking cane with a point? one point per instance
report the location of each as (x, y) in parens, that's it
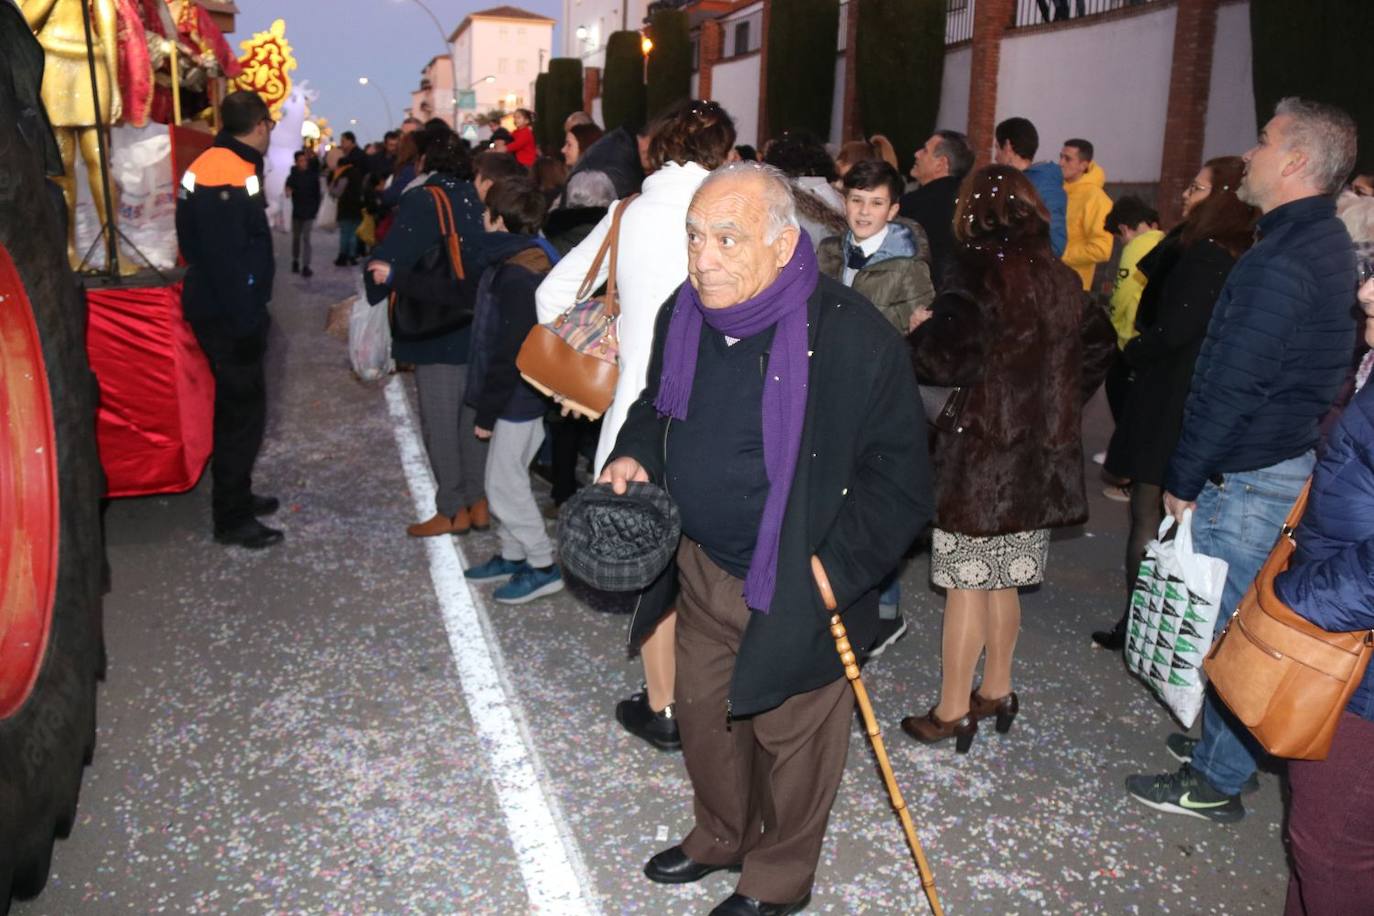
(875, 735)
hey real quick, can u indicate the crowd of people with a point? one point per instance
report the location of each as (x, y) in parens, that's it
(819, 359)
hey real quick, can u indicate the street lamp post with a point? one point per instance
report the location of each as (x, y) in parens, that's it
(390, 119)
(448, 48)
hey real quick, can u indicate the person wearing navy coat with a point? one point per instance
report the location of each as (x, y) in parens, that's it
(1330, 581)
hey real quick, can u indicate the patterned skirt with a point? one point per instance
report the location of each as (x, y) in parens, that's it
(988, 563)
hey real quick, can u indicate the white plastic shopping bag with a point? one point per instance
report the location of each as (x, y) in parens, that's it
(1174, 607)
(369, 338)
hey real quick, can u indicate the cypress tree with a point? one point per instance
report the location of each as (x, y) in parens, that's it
(622, 82)
(802, 49)
(670, 61)
(1312, 50)
(900, 65)
(564, 97)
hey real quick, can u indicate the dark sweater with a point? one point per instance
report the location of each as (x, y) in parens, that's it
(1278, 347)
(718, 449)
(305, 192)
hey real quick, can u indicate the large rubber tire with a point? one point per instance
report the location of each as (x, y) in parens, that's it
(45, 741)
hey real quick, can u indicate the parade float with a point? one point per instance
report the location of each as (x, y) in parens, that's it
(158, 69)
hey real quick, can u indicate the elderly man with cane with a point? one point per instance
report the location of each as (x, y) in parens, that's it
(782, 415)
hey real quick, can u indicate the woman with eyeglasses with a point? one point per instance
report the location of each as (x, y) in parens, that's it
(1185, 274)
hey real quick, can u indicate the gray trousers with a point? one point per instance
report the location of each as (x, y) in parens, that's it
(300, 240)
(457, 457)
(513, 446)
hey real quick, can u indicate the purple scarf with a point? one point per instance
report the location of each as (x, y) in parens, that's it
(783, 304)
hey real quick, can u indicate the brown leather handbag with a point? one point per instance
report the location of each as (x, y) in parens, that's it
(1283, 676)
(575, 358)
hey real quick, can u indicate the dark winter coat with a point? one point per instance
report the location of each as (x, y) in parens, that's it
(222, 230)
(1175, 308)
(1017, 340)
(1330, 580)
(349, 175)
(896, 278)
(616, 154)
(415, 232)
(931, 206)
(567, 227)
(304, 185)
(1277, 349)
(505, 313)
(860, 495)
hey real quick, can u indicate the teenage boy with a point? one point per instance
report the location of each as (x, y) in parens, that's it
(1017, 143)
(509, 411)
(1089, 244)
(886, 258)
(1136, 226)
(303, 187)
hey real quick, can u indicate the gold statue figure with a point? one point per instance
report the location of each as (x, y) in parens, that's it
(67, 94)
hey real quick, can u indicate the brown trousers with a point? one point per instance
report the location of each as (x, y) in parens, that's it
(764, 784)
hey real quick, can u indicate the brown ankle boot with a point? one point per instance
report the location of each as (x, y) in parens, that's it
(439, 525)
(479, 515)
(929, 729)
(1004, 708)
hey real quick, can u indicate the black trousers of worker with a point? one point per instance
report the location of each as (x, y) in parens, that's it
(763, 785)
(240, 418)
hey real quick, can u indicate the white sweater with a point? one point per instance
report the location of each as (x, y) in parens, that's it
(651, 264)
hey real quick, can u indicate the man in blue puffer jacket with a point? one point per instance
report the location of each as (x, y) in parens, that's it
(1277, 350)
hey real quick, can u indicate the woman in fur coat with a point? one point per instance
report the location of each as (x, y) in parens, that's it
(1008, 328)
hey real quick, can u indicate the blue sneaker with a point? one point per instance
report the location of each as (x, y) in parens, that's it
(498, 567)
(529, 584)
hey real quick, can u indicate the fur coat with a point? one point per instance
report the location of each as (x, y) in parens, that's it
(1013, 326)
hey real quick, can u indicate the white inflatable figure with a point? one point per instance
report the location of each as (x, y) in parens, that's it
(286, 139)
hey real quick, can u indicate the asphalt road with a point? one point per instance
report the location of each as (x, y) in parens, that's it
(330, 726)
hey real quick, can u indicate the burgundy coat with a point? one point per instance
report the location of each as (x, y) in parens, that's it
(1017, 338)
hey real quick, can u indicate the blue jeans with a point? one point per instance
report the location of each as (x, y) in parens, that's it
(1239, 523)
(348, 237)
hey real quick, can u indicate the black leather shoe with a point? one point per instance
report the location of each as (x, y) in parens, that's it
(265, 505)
(657, 728)
(740, 905)
(1114, 639)
(252, 534)
(672, 866)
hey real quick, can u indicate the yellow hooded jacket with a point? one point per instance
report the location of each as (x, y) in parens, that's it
(1089, 241)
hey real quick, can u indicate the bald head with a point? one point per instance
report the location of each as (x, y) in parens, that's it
(741, 232)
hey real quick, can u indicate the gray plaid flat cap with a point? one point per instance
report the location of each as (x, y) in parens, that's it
(618, 543)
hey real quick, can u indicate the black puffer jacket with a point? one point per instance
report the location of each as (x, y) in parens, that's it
(861, 493)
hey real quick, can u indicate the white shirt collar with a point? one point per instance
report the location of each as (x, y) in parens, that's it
(870, 245)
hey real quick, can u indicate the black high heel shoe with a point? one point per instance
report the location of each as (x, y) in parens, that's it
(1004, 708)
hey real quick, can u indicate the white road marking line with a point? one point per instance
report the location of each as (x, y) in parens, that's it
(550, 862)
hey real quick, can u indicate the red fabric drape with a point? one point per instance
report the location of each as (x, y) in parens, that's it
(157, 397)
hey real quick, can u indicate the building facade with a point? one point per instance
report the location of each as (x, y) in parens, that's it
(507, 43)
(434, 98)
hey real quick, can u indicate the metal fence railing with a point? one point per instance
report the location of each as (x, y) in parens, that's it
(958, 21)
(1037, 12)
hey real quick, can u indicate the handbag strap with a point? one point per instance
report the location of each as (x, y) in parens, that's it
(1295, 514)
(609, 244)
(448, 228)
